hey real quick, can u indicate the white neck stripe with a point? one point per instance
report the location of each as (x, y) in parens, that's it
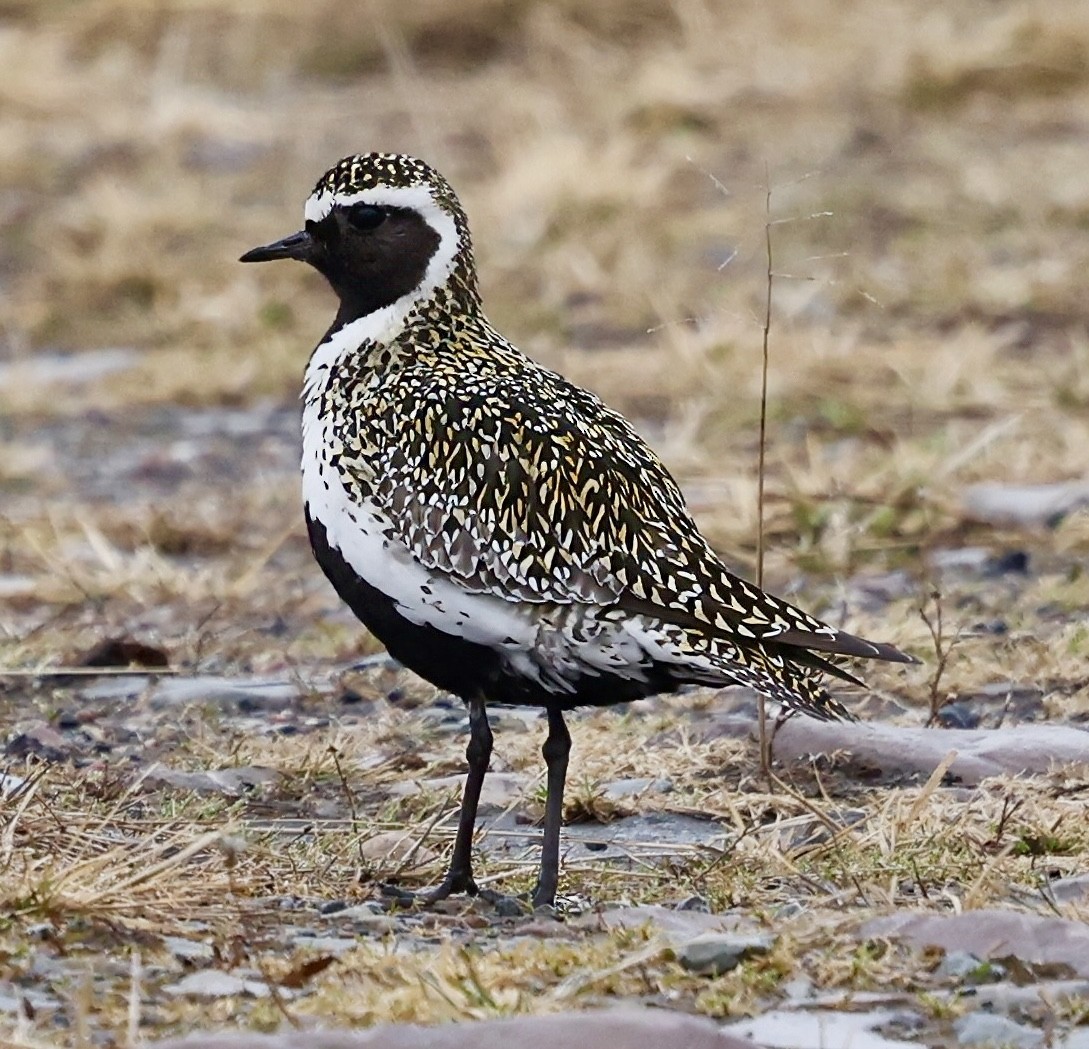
(382, 324)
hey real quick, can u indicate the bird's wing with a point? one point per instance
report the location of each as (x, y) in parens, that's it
(532, 489)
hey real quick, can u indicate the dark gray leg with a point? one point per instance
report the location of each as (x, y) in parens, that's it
(459, 878)
(556, 749)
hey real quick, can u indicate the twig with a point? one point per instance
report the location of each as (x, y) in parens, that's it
(132, 1035)
(761, 702)
(942, 651)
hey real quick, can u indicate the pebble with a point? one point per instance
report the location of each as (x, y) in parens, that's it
(188, 950)
(713, 954)
(1068, 890)
(335, 945)
(618, 789)
(212, 983)
(693, 903)
(958, 715)
(987, 1029)
(961, 965)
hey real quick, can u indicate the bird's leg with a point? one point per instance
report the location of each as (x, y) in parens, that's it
(556, 749)
(459, 878)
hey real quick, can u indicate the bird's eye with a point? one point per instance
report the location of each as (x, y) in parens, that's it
(365, 217)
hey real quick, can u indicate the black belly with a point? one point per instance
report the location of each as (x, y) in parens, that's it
(463, 667)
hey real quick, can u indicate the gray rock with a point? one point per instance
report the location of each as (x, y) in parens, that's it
(188, 950)
(500, 790)
(224, 692)
(988, 1029)
(1035, 941)
(1070, 890)
(335, 945)
(693, 903)
(963, 966)
(899, 751)
(675, 927)
(13, 999)
(212, 983)
(1028, 504)
(619, 789)
(714, 954)
(232, 782)
(622, 1028)
(805, 1029)
(649, 834)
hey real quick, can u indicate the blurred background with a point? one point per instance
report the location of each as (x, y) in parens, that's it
(929, 203)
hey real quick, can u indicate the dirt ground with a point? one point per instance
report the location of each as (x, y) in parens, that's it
(922, 170)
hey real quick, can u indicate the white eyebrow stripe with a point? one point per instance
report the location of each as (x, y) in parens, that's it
(421, 200)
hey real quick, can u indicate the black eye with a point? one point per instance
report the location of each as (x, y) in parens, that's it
(365, 217)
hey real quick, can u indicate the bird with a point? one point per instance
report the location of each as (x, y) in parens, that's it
(500, 530)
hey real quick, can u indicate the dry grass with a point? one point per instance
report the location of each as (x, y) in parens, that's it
(930, 332)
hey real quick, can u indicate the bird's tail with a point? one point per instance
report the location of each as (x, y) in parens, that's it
(793, 677)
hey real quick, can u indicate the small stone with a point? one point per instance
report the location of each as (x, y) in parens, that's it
(620, 789)
(211, 983)
(510, 907)
(1014, 562)
(396, 847)
(232, 782)
(9, 784)
(987, 1029)
(958, 715)
(790, 909)
(967, 968)
(713, 954)
(334, 945)
(188, 950)
(1067, 890)
(694, 903)
(245, 694)
(39, 741)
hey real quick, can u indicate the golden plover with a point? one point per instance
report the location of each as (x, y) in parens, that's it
(501, 531)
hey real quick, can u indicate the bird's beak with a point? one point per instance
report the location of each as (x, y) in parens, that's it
(298, 246)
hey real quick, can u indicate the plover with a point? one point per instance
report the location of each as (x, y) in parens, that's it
(501, 531)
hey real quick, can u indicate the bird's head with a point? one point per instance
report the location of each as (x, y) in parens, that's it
(382, 228)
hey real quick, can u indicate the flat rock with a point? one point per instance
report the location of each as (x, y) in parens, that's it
(1069, 890)
(396, 847)
(619, 789)
(1031, 939)
(675, 927)
(500, 790)
(803, 1029)
(212, 983)
(896, 751)
(987, 1029)
(334, 945)
(232, 782)
(621, 1028)
(243, 694)
(647, 834)
(716, 953)
(1025, 504)
(188, 950)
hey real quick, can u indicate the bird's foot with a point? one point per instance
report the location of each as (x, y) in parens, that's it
(454, 882)
(505, 906)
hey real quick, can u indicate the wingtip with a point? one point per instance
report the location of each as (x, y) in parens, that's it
(891, 654)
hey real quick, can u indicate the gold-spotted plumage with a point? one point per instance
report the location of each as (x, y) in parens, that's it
(460, 492)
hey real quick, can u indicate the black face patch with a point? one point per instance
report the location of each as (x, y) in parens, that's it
(371, 258)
